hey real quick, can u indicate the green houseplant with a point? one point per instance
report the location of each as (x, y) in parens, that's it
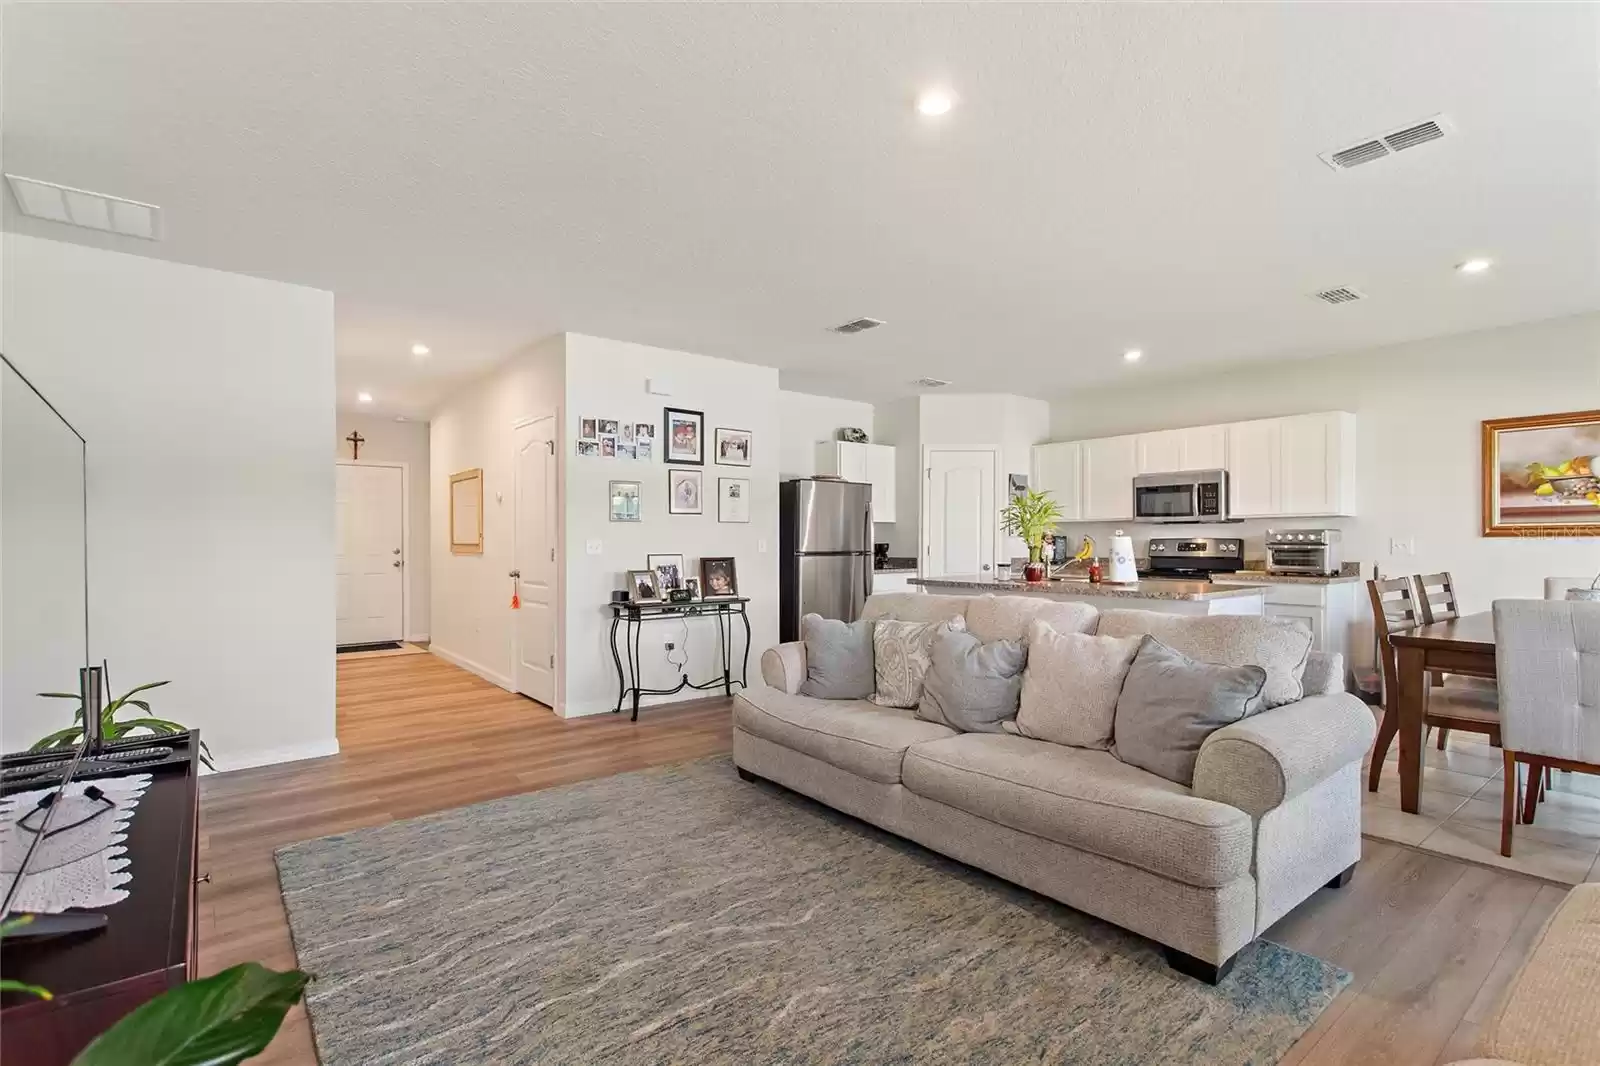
(1030, 516)
(110, 728)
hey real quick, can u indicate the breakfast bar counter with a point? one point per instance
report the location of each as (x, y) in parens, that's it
(1153, 594)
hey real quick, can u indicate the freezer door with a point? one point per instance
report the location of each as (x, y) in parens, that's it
(834, 586)
(832, 516)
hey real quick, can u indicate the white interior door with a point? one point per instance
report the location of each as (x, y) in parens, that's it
(536, 564)
(961, 515)
(371, 569)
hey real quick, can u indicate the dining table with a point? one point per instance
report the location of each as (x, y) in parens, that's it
(1462, 645)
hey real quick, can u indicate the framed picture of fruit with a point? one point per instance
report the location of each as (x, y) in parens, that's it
(1541, 476)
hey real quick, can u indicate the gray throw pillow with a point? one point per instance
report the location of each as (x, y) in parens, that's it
(972, 686)
(838, 658)
(1170, 703)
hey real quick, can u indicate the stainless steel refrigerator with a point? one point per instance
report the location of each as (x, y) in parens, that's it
(825, 551)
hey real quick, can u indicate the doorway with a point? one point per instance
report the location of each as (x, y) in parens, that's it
(959, 514)
(536, 566)
(370, 544)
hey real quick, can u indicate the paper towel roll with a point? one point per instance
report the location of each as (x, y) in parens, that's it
(1122, 570)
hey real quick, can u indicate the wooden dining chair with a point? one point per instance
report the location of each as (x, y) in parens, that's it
(1437, 602)
(1396, 607)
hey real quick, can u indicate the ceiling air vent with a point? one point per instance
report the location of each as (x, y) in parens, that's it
(1387, 144)
(857, 325)
(931, 383)
(79, 207)
(1342, 295)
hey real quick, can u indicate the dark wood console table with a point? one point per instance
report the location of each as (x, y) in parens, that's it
(150, 943)
(630, 618)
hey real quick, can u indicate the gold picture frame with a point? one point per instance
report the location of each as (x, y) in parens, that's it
(466, 512)
(1541, 476)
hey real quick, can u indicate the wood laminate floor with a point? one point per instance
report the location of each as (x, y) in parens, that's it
(1431, 941)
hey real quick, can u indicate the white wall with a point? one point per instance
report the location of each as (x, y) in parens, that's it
(388, 441)
(470, 621)
(606, 379)
(207, 401)
(804, 420)
(1419, 407)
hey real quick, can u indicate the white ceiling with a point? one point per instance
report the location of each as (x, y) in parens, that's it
(733, 179)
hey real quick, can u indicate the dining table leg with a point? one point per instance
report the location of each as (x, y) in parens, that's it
(1409, 664)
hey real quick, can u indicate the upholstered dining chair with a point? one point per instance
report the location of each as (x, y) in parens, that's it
(1474, 708)
(1555, 588)
(1547, 655)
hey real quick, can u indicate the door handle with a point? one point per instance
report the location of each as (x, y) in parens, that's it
(515, 573)
(985, 566)
(397, 562)
(396, 551)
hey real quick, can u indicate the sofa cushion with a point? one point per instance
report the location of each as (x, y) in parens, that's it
(1278, 646)
(914, 607)
(900, 656)
(1086, 800)
(855, 735)
(838, 658)
(970, 685)
(1008, 617)
(1069, 692)
(1170, 704)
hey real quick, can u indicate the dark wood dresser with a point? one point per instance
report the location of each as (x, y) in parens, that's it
(150, 944)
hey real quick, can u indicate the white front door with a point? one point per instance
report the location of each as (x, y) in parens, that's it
(961, 514)
(536, 562)
(371, 570)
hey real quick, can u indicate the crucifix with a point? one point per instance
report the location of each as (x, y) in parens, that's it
(356, 441)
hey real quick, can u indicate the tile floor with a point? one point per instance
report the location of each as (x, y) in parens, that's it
(1460, 814)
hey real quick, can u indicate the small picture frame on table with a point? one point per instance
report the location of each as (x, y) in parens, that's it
(642, 587)
(719, 578)
(668, 570)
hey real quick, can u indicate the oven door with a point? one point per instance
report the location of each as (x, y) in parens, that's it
(1166, 502)
(1298, 558)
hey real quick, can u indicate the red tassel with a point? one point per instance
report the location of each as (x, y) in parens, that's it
(516, 602)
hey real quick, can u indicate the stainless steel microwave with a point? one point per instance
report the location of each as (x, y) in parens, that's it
(1183, 496)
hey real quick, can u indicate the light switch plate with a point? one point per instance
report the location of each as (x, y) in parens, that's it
(761, 546)
(592, 547)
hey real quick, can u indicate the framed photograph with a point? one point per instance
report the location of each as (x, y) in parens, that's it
(608, 447)
(625, 434)
(1541, 476)
(733, 447)
(589, 449)
(642, 586)
(644, 431)
(642, 447)
(608, 427)
(1018, 484)
(624, 450)
(684, 495)
(586, 429)
(466, 512)
(668, 570)
(692, 586)
(625, 501)
(733, 499)
(686, 436)
(719, 580)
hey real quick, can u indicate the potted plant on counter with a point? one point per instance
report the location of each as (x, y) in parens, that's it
(1030, 515)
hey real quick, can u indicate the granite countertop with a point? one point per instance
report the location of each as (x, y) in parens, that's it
(1256, 570)
(895, 564)
(894, 570)
(1152, 589)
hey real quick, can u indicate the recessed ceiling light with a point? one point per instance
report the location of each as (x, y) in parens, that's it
(1132, 355)
(419, 349)
(935, 102)
(363, 397)
(1475, 266)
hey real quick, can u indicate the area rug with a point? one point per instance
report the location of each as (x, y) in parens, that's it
(681, 915)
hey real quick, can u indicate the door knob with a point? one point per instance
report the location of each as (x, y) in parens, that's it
(515, 573)
(397, 562)
(985, 566)
(396, 551)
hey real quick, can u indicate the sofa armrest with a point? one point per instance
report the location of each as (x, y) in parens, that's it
(1324, 674)
(784, 666)
(1258, 763)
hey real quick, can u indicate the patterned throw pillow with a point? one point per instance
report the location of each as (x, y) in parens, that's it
(900, 652)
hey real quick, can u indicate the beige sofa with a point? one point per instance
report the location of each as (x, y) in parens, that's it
(1274, 814)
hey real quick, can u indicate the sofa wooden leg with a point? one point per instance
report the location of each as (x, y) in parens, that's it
(1343, 877)
(746, 774)
(1209, 972)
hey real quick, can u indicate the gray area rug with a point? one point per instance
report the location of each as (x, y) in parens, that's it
(681, 915)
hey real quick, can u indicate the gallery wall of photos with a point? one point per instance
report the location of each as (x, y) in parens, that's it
(682, 446)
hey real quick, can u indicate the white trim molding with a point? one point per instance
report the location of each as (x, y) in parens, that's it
(317, 750)
(492, 676)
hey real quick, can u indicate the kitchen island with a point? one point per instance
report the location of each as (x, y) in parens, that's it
(1168, 595)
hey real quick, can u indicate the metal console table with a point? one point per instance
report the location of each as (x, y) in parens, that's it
(630, 618)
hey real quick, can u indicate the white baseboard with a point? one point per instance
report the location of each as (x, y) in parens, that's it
(492, 676)
(421, 638)
(316, 750)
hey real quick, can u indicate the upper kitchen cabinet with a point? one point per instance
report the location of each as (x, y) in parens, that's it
(1297, 466)
(872, 464)
(1058, 470)
(1109, 467)
(1195, 448)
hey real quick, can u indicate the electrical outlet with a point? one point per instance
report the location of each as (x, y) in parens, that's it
(1402, 546)
(671, 646)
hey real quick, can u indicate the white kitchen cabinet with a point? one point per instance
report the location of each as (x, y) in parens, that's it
(1109, 466)
(1332, 613)
(894, 582)
(1299, 466)
(1058, 470)
(1161, 452)
(1194, 448)
(1253, 449)
(872, 464)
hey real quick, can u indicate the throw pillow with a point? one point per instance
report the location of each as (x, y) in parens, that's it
(838, 658)
(1280, 646)
(1069, 691)
(901, 653)
(972, 686)
(1170, 703)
